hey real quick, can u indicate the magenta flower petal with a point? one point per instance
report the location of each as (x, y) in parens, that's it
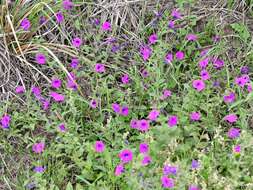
(167, 182)
(59, 17)
(106, 26)
(119, 170)
(25, 24)
(173, 121)
(143, 148)
(38, 147)
(126, 156)
(180, 55)
(57, 97)
(5, 121)
(40, 58)
(199, 85)
(99, 146)
(153, 115)
(231, 118)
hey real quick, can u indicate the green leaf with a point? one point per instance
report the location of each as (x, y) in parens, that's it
(69, 186)
(242, 31)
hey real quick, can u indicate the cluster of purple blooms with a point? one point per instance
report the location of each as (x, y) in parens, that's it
(143, 125)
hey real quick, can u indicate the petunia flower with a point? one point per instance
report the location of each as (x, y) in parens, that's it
(5, 121)
(195, 116)
(167, 182)
(67, 4)
(143, 125)
(77, 42)
(125, 79)
(218, 63)
(153, 39)
(57, 97)
(106, 26)
(126, 156)
(146, 52)
(143, 148)
(233, 133)
(166, 94)
(116, 108)
(25, 24)
(193, 187)
(119, 170)
(195, 164)
(203, 63)
(146, 160)
(62, 127)
(99, 146)
(169, 58)
(20, 90)
(93, 104)
(204, 75)
(100, 68)
(229, 98)
(170, 170)
(40, 58)
(173, 121)
(237, 149)
(59, 17)
(38, 147)
(124, 111)
(153, 115)
(199, 85)
(191, 37)
(180, 55)
(171, 24)
(231, 118)
(39, 169)
(56, 83)
(176, 14)
(134, 123)
(74, 63)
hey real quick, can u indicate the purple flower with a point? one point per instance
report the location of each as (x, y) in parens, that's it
(152, 39)
(134, 123)
(143, 148)
(237, 149)
(99, 146)
(71, 81)
(59, 17)
(67, 4)
(146, 160)
(40, 58)
(42, 20)
(100, 68)
(195, 164)
(20, 90)
(143, 125)
(106, 26)
(195, 116)
(144, 73)
(45, 104)
(249, 88)
(216, 38)
(74, 63)
(119, 170)
(203, 63)
(146, 52)
(124, 111)
(176, 14)
(169, 58)
(62, 127)
(199, 85)
(93, 103)
(167, 182)
(171, 24)
(38, 147)
(172, 121)
(166, 94)
(25, 24)
(36, 91)
(193, 187)
(204, 75)
(245, 70)
(57, 97)
(39, 169)
(218, 63)
(5, 121)
(242, 81)
(204, 52)
(229, 98)
(231, 118)
(180, 55)
(116, 108)
(125, 79)
(126, 156)
(56, 83)
(153, 115)
(77, 42)
(233, 133)
(191, 37)
(169, 170)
